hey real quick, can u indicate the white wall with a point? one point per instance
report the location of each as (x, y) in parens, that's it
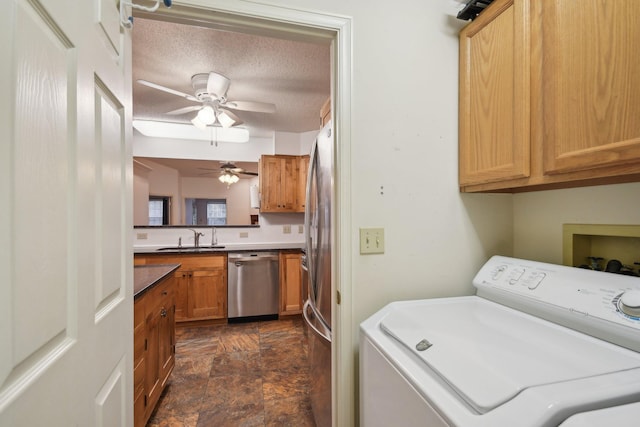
(538, 216)
(306, 141)
(141, 194)
(288, 142)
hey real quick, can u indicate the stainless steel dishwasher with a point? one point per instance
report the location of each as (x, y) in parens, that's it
(252, 285)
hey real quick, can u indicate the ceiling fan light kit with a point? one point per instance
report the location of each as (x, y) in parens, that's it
(228, 178)
(206, 115)
(227, 119)
(199, 123)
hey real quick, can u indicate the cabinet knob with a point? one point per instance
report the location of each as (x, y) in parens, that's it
(163, 312)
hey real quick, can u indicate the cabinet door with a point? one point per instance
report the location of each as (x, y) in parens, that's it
(303, 169)
(289, 183)
(208, 294)
(494, 95)
(279, 183)
(139, 339)
(166, 342)
(153, 386)
(269, 183)
(290, 283)
(590, 84)
(181, 299)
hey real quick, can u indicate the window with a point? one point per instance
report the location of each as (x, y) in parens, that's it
(206, 211)
(216, 212)
(159, 210)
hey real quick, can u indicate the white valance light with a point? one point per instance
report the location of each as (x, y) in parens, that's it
(199, 131)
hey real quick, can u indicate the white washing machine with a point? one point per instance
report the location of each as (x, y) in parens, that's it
(537, 345)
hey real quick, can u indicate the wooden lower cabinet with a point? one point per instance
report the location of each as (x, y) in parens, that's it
(290, 283)
(201, 284)
(154, 346)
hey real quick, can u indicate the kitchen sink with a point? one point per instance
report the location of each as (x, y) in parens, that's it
(191, 248)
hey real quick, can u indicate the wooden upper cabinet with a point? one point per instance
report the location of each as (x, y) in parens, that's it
(494, 95)
(281, 183)
(590, 84)
(550, 95)
(303, 171)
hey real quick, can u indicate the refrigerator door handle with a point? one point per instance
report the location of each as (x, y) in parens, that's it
(308, 215)
(324, 334)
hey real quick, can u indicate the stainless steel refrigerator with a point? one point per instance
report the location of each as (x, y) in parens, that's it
(317, 308)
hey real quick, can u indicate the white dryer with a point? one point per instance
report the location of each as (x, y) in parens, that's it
(537, 344)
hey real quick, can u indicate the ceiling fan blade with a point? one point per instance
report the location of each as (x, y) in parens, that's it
(217, 84)
(228, 166)
(168, 90)
(184, 110)
(258, 107)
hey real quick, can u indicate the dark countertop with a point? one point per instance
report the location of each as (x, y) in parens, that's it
(229, 247)
(145, 276)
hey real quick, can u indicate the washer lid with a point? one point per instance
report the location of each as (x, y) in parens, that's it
(488, 353)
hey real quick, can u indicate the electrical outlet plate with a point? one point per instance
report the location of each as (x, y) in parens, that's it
(286, 229)
(372, 240)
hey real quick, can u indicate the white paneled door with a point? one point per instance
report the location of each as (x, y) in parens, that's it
(65, 215)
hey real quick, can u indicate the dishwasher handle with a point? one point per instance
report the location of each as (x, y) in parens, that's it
(239, 260)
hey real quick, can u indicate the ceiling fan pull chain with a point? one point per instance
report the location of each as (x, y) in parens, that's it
(216, 131)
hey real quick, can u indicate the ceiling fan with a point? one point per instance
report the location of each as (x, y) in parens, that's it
(210, 91)
(229, 173)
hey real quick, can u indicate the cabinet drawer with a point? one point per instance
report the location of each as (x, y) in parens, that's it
(187, 262)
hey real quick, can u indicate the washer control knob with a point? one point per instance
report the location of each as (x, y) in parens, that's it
(629, 303)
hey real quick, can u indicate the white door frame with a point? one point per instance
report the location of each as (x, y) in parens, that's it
(305, 25)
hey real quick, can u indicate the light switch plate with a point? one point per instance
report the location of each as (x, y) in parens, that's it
(372, 240)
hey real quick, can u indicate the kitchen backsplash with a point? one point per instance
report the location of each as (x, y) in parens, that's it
(273, 228)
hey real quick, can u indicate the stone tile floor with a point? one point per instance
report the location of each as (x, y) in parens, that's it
(244, 374)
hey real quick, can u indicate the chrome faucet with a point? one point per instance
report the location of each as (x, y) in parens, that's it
(214, 238)
(196, 237)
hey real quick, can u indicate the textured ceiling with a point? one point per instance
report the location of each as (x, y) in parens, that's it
(293, 75)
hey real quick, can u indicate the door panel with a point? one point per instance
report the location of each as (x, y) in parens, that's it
(66, 314)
